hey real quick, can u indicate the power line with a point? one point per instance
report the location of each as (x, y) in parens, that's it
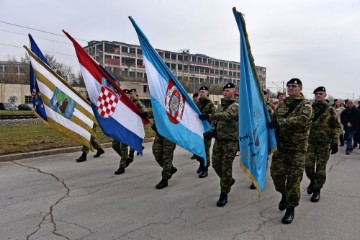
(59, 53)
(23, 34)
(39, 30)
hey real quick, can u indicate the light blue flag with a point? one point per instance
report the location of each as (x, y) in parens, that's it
(255, 139)
(175, 113)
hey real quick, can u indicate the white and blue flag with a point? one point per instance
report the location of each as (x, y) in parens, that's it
(175, 113)
(255, 139)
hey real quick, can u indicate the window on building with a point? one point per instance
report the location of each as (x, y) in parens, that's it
(124, 49)
(180, 57)
(139, 62)
(173, 56)
(28, 99)
(167, 55)
(173, 66)
(132, 50)
(139, 51)
(186, 58)
(132, 74)
(145, 88)
(139, 74)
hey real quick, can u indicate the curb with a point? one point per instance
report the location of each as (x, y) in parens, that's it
(18, 156)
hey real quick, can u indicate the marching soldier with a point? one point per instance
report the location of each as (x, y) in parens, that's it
(292, 119)
(324, 133)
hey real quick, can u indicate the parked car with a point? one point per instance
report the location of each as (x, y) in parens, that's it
(7, 106)
(26, 107)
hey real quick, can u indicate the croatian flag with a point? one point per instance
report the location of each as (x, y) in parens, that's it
(116, 114)
(255, 139)
(175, 113)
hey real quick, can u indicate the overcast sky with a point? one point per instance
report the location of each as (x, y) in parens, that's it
(317, 41)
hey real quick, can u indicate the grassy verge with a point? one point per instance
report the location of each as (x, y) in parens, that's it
(30, 137)
(16, 112)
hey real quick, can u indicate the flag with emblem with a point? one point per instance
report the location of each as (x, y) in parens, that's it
(38, 104)
(255, 139)
(176, 115)
(66, 110)
(116, 114)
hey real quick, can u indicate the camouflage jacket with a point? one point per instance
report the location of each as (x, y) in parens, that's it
(225, 121)
(293, 128)
(270, 108)
(139, 104)
(326, 128)
(206, 106)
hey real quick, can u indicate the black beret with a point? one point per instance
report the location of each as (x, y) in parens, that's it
(228, 85)
(195, 95)
(133, 90)
(319, 89)
(204, 88)
(294, 81)
(126, 91)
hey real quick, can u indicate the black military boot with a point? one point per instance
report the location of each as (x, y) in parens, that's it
(282, 203)
(121, 170)
(289, 216)
(204, 173)
(316, 195)
(222, 200)
(82, 158)
(310, 188)
(252, 186)
(173, 171)
(99, 152)
(193, 157)
(162, 184)
(129, 160)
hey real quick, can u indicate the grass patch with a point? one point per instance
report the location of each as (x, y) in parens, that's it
(16, 112)
(35, 137)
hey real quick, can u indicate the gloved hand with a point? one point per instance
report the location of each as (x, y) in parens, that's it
(208, 135)
(333, 148)
(143, 115)
(204, 117)
(272, 124)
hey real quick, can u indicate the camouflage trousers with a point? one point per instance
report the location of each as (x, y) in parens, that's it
(224, 152)
(286, 170)
(122, 150)
(207, 144)
(94, 143)
(316, 159)
(163, 151)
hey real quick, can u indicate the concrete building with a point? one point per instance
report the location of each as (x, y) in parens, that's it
(126, 60)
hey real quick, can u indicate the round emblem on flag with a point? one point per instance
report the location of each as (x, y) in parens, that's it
(106, 102)
(174, 103)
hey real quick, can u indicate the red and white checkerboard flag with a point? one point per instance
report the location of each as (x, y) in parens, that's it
(106, 102)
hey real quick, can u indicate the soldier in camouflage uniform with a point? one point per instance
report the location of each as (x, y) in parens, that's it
(292, 120)
(225, 130)
(324, 133)
(207, 109)
(123, 149)
(163, 150)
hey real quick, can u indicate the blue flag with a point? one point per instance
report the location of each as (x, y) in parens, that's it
(255, 139)
(34, 89)
(175, 113)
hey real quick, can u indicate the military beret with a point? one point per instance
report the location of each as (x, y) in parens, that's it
(204, 88)
(319, 89)
(229, 85)
(195, 95)
(133, 90)
(294, 81)
(126, 91)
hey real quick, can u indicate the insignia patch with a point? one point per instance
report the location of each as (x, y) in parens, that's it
(174, 103)
(62, 103)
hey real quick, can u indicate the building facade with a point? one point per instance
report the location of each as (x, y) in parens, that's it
(126, 60)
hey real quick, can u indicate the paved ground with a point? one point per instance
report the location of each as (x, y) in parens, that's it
(54, 197)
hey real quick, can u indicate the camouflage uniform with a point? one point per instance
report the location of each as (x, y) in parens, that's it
(225, 130)
(292, 133)
(271, 109)
(94, 143)
(163, 151)
(122, 150)
(143, 109)
(206, 106)
(324, 131)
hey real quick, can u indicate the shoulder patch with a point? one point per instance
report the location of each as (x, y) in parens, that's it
(307, 105)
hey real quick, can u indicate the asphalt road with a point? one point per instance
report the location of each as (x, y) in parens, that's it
(54, 197)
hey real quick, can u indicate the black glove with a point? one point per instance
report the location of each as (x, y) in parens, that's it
(143, 115)
(204, 117)
(272, 124)
(153, 127)
(208, 135)
(333, 148)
